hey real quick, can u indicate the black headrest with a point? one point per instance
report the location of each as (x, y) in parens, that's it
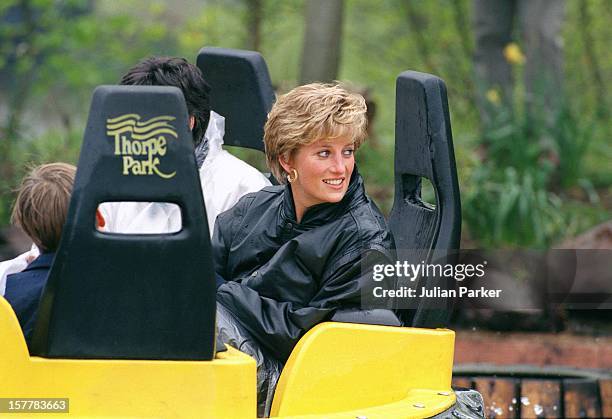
(132, 296)
(424, 148)
(241, 92)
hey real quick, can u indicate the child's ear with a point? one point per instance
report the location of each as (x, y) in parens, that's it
(191, 122)
(100, 221)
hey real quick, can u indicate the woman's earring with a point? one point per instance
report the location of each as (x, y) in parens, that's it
(293, 176)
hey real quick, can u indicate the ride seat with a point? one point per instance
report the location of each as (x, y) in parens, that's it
(141, 296)
(424, 232)
(241, 92)
(356, 370)
(222, 388)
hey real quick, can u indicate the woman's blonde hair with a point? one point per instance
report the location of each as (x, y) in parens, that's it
(309, 113)
(42, 203)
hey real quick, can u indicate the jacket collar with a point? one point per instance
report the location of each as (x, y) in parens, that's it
(43, 261)
(322, 213)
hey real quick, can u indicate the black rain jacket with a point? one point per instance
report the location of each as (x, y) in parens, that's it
(283, 277)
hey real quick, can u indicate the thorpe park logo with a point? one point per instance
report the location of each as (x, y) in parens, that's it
(141, 144)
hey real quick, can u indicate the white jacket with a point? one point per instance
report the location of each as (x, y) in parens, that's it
(223, 177)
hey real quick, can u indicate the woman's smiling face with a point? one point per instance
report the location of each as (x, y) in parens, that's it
(324, 171)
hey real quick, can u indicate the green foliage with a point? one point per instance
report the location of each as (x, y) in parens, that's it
(512, 207)
(51, 147)
(219, 24)
(528, 158)
(572, 139)
(376, 165)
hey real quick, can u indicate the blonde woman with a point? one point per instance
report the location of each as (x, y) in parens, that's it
(288, 256)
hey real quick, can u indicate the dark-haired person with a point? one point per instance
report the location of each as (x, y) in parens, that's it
(224, 178)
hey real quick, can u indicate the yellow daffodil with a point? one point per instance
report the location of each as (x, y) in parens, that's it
(513, 54)
(493, 96)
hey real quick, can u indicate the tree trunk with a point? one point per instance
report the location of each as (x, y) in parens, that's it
(254, 17)
(322, 40)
